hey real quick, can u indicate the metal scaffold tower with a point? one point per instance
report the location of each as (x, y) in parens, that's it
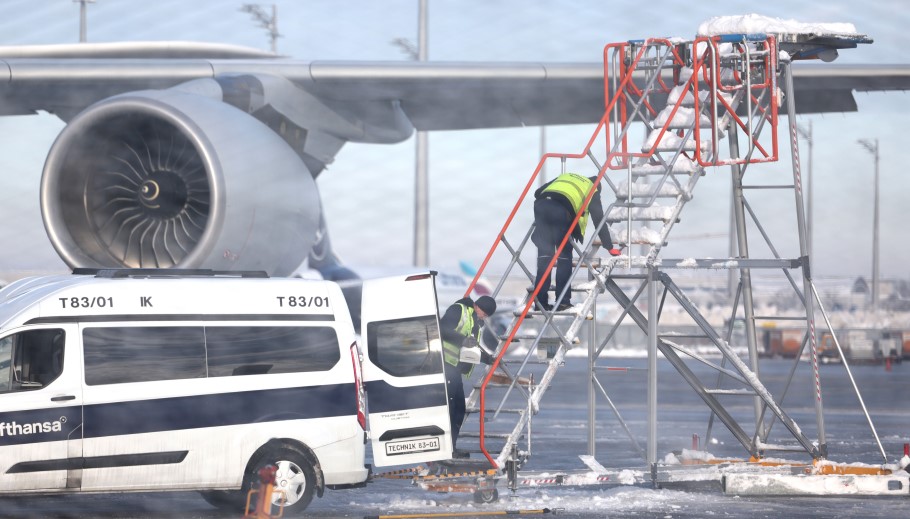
(706, 103)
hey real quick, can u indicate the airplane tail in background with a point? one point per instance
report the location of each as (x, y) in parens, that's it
(483, 286)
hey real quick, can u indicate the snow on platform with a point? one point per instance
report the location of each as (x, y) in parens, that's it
(815, 485)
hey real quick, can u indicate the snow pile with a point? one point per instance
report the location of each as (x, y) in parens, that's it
(693, 455)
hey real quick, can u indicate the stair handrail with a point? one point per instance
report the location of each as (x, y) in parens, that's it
(708, 64)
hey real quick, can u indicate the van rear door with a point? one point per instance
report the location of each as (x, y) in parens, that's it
(403, 371)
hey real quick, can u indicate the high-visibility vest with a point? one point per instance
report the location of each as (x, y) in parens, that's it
(575, 188)
(451, 353)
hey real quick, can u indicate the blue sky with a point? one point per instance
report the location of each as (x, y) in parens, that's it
(475, 176)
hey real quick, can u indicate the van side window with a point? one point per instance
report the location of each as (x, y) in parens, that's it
(255, 350)
(143, 354)
(31, 360)
(405, 347)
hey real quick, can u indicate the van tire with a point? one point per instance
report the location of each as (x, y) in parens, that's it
(295, 476)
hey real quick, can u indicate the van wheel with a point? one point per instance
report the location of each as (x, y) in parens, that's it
(295, 479)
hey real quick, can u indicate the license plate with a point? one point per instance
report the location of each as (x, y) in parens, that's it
(411, 446)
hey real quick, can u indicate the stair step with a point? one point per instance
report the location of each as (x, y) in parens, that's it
(501, 380)
(683, 119)
(646, 190)
(688, 99)
(670, 142)
(640, 236)
(567, 313)
(682, 166)
(654, 213)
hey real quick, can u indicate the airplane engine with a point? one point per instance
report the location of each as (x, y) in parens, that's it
(170, 178)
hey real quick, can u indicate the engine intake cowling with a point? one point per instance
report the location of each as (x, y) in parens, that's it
(168, 178)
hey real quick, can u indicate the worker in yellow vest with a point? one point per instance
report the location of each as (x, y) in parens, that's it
(555, 206)
(460, 328)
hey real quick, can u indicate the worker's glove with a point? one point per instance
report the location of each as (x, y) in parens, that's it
(486, 358)
(469, 342)
(615, 252)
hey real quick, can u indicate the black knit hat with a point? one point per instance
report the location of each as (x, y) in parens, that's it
(487, 304)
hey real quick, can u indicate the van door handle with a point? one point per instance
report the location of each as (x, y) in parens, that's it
(62, 398)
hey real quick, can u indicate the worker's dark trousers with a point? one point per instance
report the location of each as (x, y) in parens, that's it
(552, 221)
(455, 390)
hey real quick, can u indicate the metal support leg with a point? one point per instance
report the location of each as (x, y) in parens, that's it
(652, 368)
(804, 254)
(745, 274)
(592, 358)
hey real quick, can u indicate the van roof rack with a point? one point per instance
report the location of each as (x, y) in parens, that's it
(138, 273)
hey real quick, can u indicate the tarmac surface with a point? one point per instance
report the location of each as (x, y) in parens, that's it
(560, 437)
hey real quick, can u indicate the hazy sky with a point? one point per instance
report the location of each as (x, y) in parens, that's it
(476, 176)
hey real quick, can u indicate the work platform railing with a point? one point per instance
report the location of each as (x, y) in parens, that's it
(690, 96)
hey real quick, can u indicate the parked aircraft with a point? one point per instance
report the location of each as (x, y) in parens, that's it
(205, 155)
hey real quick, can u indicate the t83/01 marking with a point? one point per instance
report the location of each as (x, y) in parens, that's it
(303, 301)
(86, 302)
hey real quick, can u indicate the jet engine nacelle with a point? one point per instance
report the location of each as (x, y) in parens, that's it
(170, 178)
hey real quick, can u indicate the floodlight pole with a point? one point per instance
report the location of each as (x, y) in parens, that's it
(872, 147)
(542, 179)
(421, 173)
(82, 18)
(269, 23)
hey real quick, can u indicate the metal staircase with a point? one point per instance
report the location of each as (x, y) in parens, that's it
(691, 97)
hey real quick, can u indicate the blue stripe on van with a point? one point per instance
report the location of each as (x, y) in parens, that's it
(196, 412)
(39, 425)
(384, 397)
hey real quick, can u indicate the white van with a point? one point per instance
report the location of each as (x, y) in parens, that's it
(147, 380)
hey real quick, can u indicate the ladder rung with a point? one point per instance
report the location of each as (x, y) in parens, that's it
(516, 362)
(680, 167)
(780, 317)
(500, 436)
(572, 288)
(638, 242)
(649, 195)
(532, 313)
(783, 448)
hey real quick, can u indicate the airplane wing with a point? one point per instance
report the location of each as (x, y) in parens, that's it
(65, 79)
(204, 156)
